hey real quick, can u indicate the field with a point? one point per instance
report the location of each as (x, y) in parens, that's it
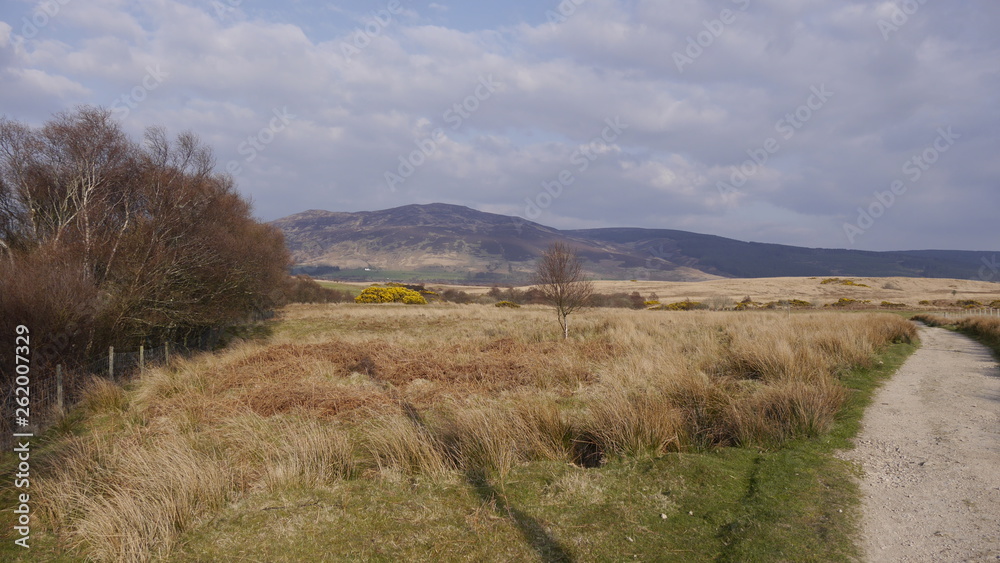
(476, 433)
(908, 291)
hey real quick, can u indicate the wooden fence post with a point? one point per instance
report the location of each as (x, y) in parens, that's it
(111, 363)
(59, 387)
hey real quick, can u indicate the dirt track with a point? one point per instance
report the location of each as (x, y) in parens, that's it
(930, 450)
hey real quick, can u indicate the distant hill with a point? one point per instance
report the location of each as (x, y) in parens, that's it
(449, 242)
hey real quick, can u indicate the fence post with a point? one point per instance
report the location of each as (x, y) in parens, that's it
(111, 363)
(166, 353)
(59, 387)
(142, 357)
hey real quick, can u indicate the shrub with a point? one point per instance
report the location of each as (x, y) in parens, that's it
(124, 242)
(531, 296)
(418, 287)
(848, 302)
(891, 305)
(456, 296)
(719, 303)
(795, 303)
(925, 302)
(304, 289)
(619, 300)
(377, 294)
(686, 305)
(507, 305)
(969, 304)
(749, 304)
(839, 281)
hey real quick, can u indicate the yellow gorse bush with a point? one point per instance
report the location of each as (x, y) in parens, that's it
(377, 294)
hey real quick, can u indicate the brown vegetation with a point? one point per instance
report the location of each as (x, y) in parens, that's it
(105, 241)
(304, 289)
(438, 390)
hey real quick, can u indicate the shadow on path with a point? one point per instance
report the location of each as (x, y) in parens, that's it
(547, 547)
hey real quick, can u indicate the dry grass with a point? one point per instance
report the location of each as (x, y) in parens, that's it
(632, 422)
(348, 392)
(126, 499)
(731, 290)
(397, 444)
(282, 452)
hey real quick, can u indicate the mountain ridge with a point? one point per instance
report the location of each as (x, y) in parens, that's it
(453, 241)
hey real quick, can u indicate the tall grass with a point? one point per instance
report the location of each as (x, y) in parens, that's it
(119, 499)
(440, 391)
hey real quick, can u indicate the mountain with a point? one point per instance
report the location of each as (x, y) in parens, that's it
(449, 242)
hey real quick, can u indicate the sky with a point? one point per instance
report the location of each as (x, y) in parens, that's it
(824, 123)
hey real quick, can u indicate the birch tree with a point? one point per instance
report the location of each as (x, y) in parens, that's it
(559, 276)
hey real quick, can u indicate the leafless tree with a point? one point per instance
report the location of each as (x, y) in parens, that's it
(559, 276)
(123, 242)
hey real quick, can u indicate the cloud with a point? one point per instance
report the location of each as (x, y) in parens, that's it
(556, 83)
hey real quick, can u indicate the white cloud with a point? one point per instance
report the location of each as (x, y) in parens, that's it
(555, 86)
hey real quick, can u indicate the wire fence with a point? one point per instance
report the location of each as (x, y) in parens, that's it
(55, 390)
(980, 312)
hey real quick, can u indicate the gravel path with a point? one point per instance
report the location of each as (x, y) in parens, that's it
(930, 451)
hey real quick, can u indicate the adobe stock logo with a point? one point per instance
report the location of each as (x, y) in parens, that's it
(455, 116)
(786, 128)
(900, 17)
(567, 9)
(227, 9)
(372, 30)
(124, 104)
(581, 158)
(41, 17)
(255, 144)
(914, 169)
(714, 28)
(990, 271)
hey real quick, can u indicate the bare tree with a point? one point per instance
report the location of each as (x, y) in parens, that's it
(559, 276)
(123, 242)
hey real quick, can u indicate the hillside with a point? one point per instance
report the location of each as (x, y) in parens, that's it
(451, 242)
